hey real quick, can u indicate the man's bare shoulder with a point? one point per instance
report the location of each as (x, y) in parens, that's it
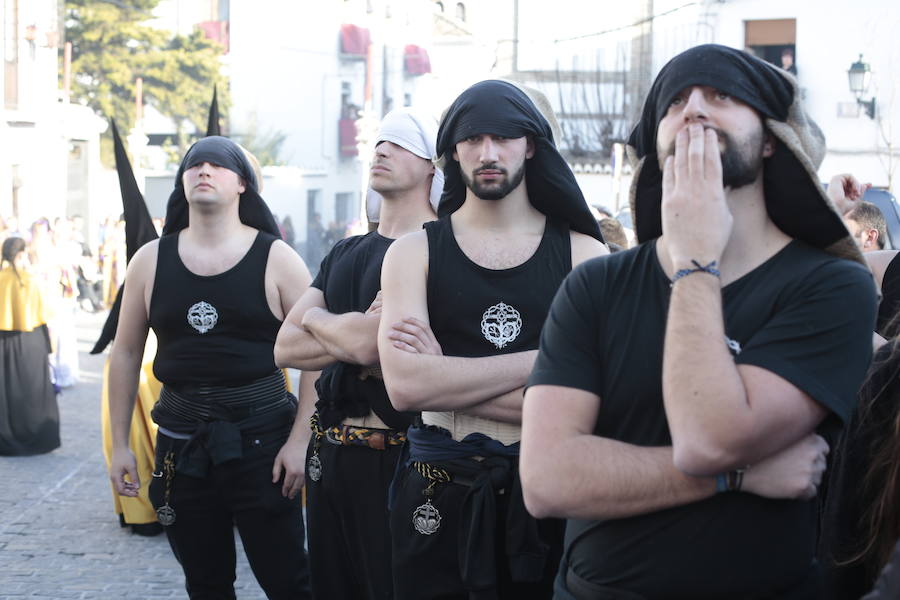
(286, 266)
(143, 263)
(584, 247)
(410, 249)
(283, 254)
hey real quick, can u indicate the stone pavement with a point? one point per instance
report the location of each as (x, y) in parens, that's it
(59, 537)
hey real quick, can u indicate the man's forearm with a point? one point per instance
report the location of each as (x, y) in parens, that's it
(350, 337)
(506, 408)
(124, 374)
(296, 348)
(703, 393)
(444, 383)
(589, 477)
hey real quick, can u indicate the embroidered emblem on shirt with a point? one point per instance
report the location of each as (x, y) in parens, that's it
(733, 345)
(501, 324)
(202, 316)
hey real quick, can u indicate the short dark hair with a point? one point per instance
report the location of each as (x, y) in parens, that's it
(869, 216)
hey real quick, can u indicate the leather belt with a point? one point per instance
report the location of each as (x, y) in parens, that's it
(377, 439)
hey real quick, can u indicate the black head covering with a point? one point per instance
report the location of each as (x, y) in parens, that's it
(795, 200)
(223, 152)
(212, 124)
(139, 230)
(502, 108)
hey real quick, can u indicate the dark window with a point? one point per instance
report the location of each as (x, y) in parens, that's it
(773, 40)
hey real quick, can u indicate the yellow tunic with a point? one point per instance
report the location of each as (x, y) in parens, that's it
(21, 305)
(141, 440)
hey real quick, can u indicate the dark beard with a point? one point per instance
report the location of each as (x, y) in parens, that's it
(741, 164)
(741, 168)
(494, 191)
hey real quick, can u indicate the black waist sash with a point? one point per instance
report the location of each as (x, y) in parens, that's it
(345, 391)
(218, 417)
(499, 470)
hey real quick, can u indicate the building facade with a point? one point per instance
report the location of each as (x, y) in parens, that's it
(49, 159)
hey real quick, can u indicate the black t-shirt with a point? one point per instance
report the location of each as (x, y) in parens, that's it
(350, 277)
(802, 314)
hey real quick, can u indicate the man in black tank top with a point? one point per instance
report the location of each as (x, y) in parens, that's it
(736, 330)
(214, 289)
(463, 306)
(357, 434)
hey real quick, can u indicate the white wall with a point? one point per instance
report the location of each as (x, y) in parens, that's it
(830, 36)
(286, 72)
(36, 133)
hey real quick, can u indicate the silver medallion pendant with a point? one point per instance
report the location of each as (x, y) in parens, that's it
(165, 514)
(426, 518)
(314, 467)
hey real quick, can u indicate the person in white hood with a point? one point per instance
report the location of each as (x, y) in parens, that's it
(350, 454)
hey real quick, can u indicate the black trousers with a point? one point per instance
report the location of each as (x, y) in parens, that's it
(238, 492)
(347, 521)
(427, 566)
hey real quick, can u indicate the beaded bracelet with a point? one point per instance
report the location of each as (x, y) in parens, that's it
(698, 268)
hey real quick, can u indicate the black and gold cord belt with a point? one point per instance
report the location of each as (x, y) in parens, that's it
(348, 435)
(377, 439)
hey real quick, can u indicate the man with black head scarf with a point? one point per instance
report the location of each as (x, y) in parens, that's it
(463, 305)
(745, 330)
(214, 289)
(356, 433)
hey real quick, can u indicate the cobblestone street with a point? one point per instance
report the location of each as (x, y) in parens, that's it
(59, 537)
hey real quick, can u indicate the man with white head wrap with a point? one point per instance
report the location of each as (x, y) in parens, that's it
(356, 433)
(416, 133)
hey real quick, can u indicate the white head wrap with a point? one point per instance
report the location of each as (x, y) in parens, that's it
(416, 132)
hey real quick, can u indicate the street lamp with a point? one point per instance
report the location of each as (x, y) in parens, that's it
(859, 75)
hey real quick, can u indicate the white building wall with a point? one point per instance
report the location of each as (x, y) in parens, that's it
(38, 129)
(287, 73)
(830, 36)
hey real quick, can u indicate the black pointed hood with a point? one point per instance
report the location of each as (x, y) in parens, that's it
(139, 229)
(212, 124)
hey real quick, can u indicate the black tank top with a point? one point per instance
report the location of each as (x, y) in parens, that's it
(212, 330)
(476, 311)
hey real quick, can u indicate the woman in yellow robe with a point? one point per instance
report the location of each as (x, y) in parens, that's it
(29, 414)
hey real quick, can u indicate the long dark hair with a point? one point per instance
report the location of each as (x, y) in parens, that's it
(12, 247)
(880, 429)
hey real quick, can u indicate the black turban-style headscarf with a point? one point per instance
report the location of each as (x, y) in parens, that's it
(795, 200)
(501, 108)
(225, 153)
